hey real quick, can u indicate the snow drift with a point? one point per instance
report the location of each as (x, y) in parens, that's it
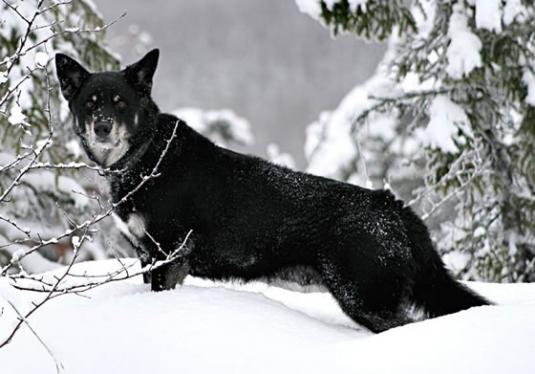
(206, 327)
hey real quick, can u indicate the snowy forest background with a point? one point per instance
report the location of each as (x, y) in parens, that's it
(446, 121)
(439, 108)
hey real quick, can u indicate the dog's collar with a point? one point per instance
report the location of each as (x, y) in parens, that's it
(129, 159)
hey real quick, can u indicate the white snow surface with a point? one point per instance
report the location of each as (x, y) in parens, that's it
(463, 51)
(205, 327)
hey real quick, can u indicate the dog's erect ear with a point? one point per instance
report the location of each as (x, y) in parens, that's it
(71, 75)
(140, 73)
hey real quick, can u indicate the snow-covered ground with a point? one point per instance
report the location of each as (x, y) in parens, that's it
(204, 327)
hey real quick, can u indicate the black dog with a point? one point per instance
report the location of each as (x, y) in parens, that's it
(249, 218)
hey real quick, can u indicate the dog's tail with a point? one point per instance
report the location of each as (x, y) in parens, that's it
(440, 294)
(434, 288)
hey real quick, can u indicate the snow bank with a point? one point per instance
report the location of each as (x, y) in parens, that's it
(205, 327)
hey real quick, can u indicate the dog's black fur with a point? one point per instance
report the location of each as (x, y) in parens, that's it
(252, 219)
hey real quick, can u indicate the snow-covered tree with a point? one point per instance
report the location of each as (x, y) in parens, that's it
(43, 190)
(453, 103)
(224, 127)
(227, 129)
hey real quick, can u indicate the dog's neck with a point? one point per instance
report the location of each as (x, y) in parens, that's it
(180, 159)
(131, 157)
(142, 158)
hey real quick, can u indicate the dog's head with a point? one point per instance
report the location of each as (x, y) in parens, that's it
(114, 113)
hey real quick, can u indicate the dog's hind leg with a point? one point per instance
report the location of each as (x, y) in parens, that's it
(367, 291)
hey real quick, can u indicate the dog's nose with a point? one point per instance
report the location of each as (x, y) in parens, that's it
(102, 129)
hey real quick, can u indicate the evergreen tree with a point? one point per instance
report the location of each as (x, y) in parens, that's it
(454, 99)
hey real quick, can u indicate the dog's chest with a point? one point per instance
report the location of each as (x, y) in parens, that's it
(134, 227)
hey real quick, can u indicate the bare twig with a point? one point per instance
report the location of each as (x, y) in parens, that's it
(50, 294)
(25, 231)
(59, 365)
(119, 275)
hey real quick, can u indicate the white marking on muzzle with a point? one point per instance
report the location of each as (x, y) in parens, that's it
(116, 146)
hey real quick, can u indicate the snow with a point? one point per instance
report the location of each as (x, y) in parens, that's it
(41, 59)
(206, 327)
(463, 51)
(354, 4)
(280, 158)
(16, 116)
(456, 261)
(529, 80)
(222, 126)
(75, 240)
(329, 145)
(330, 3)
(44, 180)
(513, 10)
(489, 15)
(32, 263)
(311, 8)
(73, 146)
(424, 16)
(444, 119)
(479, 231)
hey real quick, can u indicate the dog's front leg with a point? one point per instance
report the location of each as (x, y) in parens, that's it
(167, 276)
(146, 260)
(144, 256)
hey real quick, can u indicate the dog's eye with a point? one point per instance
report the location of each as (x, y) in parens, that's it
(91, 102)
(119, 102)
